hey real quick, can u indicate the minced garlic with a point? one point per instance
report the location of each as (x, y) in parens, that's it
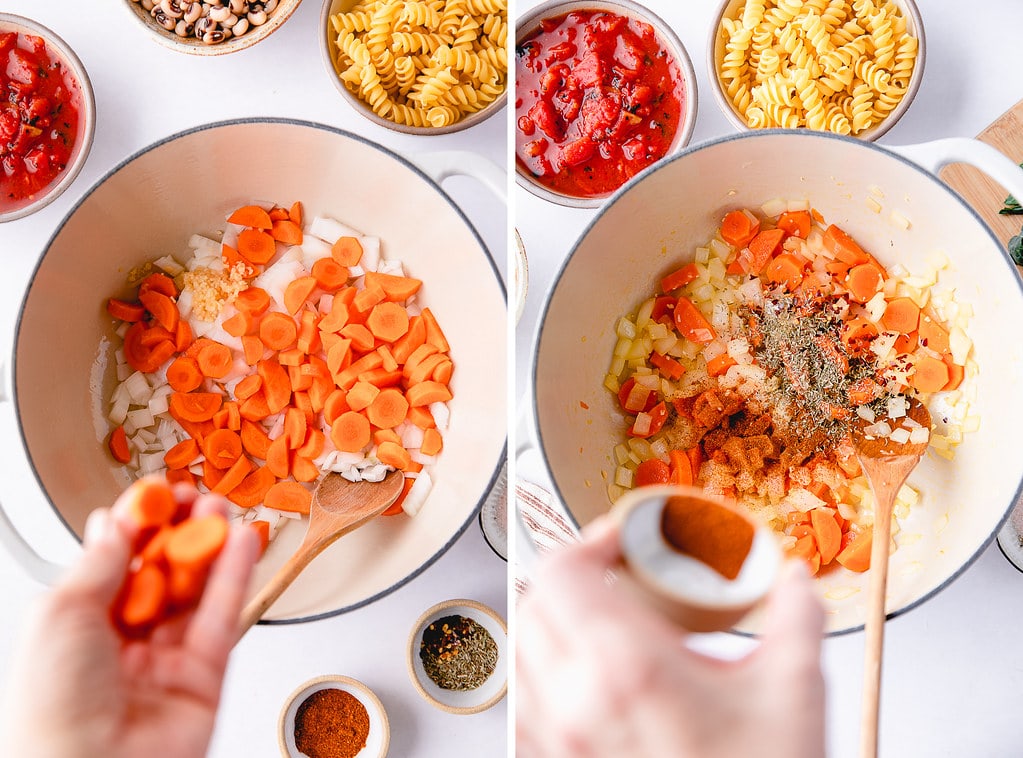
(212, 290)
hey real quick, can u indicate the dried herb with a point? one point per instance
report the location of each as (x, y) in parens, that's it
(458, 653)
(1011, 206)
(1016, 248)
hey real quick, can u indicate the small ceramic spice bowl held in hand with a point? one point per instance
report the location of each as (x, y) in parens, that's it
(336, 716)
(700, 560)
(458, 656)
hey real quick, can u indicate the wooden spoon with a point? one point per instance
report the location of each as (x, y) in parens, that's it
(886, 465)
(338, 507)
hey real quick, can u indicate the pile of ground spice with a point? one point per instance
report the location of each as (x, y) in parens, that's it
(331, 723)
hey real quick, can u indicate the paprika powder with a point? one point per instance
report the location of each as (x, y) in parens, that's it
(331, 723)
(711, 533)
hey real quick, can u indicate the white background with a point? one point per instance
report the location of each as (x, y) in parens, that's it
(953, 668)
(146, 92)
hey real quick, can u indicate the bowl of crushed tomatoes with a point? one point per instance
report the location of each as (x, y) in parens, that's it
(603, 90)
(47, 116)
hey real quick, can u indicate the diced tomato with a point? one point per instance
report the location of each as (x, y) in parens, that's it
(649, 423)
(578, 151)
(626, 389)
(652, 471)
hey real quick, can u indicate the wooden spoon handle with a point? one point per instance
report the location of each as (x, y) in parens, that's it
(874, 628)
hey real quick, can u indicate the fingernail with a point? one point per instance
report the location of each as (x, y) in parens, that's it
(97, 526)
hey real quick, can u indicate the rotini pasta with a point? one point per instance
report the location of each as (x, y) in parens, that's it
(835, 65)
(423, 63)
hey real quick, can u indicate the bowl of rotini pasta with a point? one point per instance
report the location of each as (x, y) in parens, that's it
(418, 67)
(211, 27)
(849, 67)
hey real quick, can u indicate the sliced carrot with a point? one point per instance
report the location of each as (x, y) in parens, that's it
(255, 440)
(366, 298)
(253, 349)
(256, 246)
(864, 281)
(395, 508)
(340, 311)
(932, 334)
(248, 386)
(929, 374)
(277, 213)
(393, 454)
(214, 360)
(152, 503)
(415, 337)
(222, 447)
(335, 405)
(347, 251)
(330, 275)
(255, 408)
(388, 409)
(312, 446)
(163, 309)
(350, 432)
(182, 454)
(418, 356)
(319, 391)
(240, 324)
(234, 476)
(424, 370)
(287, 231)
(738, 228)
(396, 289)
(297, 292)
(289, 496)
(253, 488)
(720, 364)
(278, 460)
(681, 466)
(152, 551)
(184, 587)
(308, 336)
(432, 443)
(385, 435)
(253, 300)
(118, 445)
(157, 282)
(864, 390)
(295, 212)
(294, 427)
(856, 555)
(956, 373)
(806, 548)
(303, 469)
(361, 395)
(381, 377)
(691, 323)
(421, 417)
(125, 311)
(901, 315)
(195, 406)
(843, 247)
(446, 368)
(339, 354)
(434, 334)
(278, 330)
(388, 321)
(762, 248)
(679, 278)
(142, 600)
(143, 357)
(426, 393)
(262, 529)
(182, 336)
(276, 384)
(796, 223)
(827, 532)
(784, 269)
(251, 215)
(346, 378)
(857, 336)
(196, 542)
(362, 338)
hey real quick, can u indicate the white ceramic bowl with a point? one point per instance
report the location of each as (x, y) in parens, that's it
(377, 740)
(677, 204)
(189, 182)
(716, 54)
(193, 46)
(492, 690)
(530, 22)
(86, 102)
(330, 52)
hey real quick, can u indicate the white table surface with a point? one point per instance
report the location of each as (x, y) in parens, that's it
(953, 671)
(145, 92)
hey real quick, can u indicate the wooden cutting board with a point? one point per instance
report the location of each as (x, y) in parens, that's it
(984, 194)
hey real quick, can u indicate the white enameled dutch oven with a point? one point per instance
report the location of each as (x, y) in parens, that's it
(657, 220)
(148, 206)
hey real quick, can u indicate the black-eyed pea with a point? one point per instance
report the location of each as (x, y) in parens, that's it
(256, 19)
(220, 14)
(183, 28)
(193, 12)
(162, 19)
(239, 7)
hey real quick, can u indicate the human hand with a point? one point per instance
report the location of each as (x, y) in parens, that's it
(601, 674)
(79, 689)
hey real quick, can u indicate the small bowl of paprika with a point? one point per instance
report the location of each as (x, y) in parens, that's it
(603, 89)
(47, 116)
(699, 559)
(334, 716)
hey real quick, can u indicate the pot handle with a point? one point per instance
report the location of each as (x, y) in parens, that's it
(933, 156)
(37, 567)
(440, 165)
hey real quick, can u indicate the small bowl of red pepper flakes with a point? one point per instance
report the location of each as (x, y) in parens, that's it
(603, 90)
(47, 116)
